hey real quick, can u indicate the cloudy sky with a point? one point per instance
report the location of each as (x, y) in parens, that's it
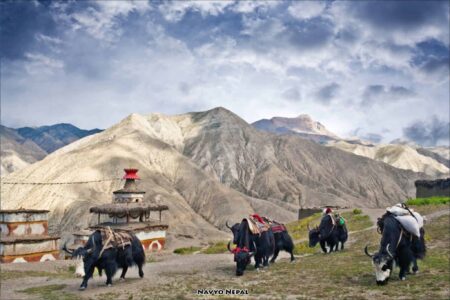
(377, 70)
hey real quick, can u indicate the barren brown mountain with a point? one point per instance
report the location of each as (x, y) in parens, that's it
(208, 167)
(16, 151)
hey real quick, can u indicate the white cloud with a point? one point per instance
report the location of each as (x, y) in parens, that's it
(174, 11)
(306, 9)
(39, 64)
(100, 18)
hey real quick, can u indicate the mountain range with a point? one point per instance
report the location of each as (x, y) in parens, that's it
(23, 146)
(400, 154)
(303, 126)
(208, 167)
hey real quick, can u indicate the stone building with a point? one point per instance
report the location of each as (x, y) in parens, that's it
(24, 236)
(432, 188)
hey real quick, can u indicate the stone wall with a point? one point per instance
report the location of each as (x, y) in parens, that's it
(432, 188)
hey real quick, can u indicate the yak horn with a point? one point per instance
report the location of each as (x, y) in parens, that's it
(65, 248)
(307, 226)
(226, 224)
(91, 250)
(367, 251)
(389, 252)
(229, 248)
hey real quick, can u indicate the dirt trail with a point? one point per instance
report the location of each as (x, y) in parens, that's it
(166, 268)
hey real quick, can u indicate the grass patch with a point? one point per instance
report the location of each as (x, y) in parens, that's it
(62, 273)
(429, 209)
(186, 250)
(216, 248)
(428, 201)
(356, 222)
(303, 248)
(50, 292)
(299, 229)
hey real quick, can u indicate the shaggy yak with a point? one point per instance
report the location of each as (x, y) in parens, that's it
(249, 245)
(283, 240)
(94, 255)
(397, 246)
(328, 233)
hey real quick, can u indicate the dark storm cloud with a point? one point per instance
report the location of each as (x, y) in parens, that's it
(436, 66)
(311, 34)
(428, 133)
(378, 93)
(406, 16)
(326, 93)
(348, 35)
(20, 21)
(432, 58)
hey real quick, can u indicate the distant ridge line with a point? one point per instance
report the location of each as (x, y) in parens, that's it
(55, 183)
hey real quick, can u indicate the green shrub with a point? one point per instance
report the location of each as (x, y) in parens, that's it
(428, 201)
(357, 211)
(186, 250)
(216, 248)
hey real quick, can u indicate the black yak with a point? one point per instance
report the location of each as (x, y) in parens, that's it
(326, 234)
(95, 255)
(397, 246)
(261, 246)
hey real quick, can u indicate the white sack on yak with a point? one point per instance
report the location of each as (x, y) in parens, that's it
(409, 223)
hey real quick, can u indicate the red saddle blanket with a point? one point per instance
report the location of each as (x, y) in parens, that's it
(278, 228)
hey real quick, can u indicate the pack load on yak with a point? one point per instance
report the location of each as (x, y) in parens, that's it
(340, 221)
(411, 221)
(257, 224)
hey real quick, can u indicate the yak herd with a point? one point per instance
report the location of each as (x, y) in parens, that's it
(397, 247)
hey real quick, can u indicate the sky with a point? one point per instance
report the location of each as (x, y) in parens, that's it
(373, 70)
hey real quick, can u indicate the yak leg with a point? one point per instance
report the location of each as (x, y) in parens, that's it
(141, 273)
(336, 247)
(265, 260)
(291, 252)
(415, 266)
(86, 277)
(258, 259)
(275, 255)
(109, 275)
(322, 245)
(124, 271)
(404, 260)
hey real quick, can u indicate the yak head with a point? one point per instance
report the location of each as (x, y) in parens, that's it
(235, 230)
(83, 257)
(383, 264)
(242, 257)
(314, 236)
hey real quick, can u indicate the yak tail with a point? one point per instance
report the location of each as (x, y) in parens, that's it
(137, 251)
(418, 245)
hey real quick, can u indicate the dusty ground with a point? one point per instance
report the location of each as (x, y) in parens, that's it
(346, 274)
